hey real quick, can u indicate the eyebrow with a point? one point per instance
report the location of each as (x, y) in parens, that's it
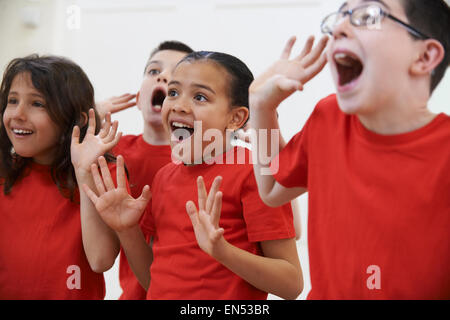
(197, 85)
(152, 62)
(31, 94)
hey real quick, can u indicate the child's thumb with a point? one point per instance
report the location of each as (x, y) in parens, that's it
(288, 85)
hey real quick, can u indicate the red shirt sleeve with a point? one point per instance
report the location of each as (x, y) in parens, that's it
(263, 222)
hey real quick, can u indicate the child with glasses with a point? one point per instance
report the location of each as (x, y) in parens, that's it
(374, 159)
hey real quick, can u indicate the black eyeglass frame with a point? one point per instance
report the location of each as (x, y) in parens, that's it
(383, 14)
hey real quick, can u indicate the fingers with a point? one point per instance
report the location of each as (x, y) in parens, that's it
(123, 102)
(288, 48)
(91, 194)
(107, 180)
(120, 173)
(106, 126)
(97, 179)
(91, 127)
(109, 134)
(145, 196)
(212, 193)
(76, 135)
(216, 209)
(191, 210)
(213, 230)
(315, 53)
(115, 141)
(202, 195)
(315, 68)
(112, 133)
(306, 49)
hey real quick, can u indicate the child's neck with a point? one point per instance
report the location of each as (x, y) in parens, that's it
(402, 115)
(156, 136)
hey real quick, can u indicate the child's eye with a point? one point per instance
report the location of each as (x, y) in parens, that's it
(12, 101)
(172, 93)
(37, 104)
(154, 72)
(200, 97)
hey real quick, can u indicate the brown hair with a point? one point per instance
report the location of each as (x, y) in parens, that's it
(68, 94)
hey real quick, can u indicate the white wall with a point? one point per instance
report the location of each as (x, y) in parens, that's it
(115, 37)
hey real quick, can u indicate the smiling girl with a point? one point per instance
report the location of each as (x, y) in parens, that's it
(45, 111)
(235, 247)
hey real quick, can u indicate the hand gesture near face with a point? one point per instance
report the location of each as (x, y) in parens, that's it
(86, 153)
(115, 104)
(118, 209)
(287, 75)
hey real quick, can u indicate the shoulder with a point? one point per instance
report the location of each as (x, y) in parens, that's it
(327, 106)
(166, 171)
(127, 142)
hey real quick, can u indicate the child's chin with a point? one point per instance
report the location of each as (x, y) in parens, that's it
(349, 106)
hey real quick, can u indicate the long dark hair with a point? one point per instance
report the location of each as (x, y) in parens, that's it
(68, 94)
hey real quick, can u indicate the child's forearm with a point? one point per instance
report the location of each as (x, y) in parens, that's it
(270, 191)
(99, 241)
(280, 276)
(138, 252)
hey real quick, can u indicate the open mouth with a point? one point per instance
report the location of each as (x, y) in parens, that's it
(349, 68)
(181, 131)
(157, 99)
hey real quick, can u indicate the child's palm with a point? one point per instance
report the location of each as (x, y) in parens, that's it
(286, 76)
(93, 145)
(118, 209)
(205, 221)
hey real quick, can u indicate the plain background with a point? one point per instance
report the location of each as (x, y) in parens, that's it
(112, 39)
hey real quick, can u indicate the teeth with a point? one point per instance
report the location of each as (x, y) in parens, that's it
(19, 131)
(157, 107)
(181, 125)
(344, 59)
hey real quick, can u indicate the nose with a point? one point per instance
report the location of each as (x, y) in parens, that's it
(343, 28)
(19, 112)
(180, 105)
(163, 77)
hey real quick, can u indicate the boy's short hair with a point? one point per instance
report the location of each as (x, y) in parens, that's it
(169, 45)
(432, 17)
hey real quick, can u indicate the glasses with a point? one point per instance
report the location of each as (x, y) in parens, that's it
(369, 15)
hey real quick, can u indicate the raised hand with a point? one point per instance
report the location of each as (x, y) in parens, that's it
(286, 75)
(205, 220)
(86, 153)
(118, 209)
(115, 104)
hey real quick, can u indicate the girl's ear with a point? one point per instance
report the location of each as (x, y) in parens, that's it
(431, 55)
(84, 119)
(239, 116)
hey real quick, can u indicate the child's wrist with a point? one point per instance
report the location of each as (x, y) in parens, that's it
(128, 233)
(82, 173)
(220, 250)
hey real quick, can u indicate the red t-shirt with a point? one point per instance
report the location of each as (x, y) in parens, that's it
(142, 161)
(180, 269)
(41, 249)
(379, 206)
